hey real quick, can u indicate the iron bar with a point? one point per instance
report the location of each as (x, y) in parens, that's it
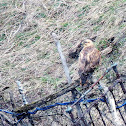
(99, 111)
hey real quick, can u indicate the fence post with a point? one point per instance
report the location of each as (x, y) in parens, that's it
(20, 88)
(96, 106)
(116, 105)
(66, 70)
(118, 76)
(116, 119)
(89, 114)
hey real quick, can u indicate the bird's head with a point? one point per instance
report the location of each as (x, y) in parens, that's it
(88, 42)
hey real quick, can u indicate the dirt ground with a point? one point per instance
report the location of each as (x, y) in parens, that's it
(28, 52)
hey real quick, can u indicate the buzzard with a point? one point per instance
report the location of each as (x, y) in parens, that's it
(89, 59)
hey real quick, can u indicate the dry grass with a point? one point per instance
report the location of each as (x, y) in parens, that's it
(27, 50)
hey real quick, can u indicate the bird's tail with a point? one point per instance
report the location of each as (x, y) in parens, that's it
(83, 79)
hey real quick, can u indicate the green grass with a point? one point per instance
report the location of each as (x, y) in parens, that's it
(22, 38)
(2, 37)
(102, 44)
(50, 80)
(24, 35)
(96, 28)
(40, 15)
(83, 11)
(3, 4)
(20, 43)
(73, 22)
(43, 55)
(65, 24)
(23, 69)
(123, 25)
(37, 37)
(7, 63)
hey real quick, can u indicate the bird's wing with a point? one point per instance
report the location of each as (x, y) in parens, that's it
(94, 58)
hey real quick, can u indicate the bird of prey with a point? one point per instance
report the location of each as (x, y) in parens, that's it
(89, 59)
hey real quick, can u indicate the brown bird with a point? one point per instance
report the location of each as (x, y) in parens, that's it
(89, 59)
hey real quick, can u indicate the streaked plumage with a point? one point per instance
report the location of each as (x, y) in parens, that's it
(89, 58)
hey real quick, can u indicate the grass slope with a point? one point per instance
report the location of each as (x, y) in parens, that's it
(27, 50)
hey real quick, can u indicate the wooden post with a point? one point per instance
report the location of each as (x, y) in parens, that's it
(116, 119)
(66, 70)
(20, 88)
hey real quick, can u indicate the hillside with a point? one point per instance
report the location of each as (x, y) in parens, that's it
(28, 52)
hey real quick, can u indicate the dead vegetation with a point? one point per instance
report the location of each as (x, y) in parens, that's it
(28, 52)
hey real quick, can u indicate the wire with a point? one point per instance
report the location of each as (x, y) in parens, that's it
(121, 105)
(56, 104)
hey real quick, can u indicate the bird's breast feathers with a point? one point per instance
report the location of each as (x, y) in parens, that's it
(89, 58)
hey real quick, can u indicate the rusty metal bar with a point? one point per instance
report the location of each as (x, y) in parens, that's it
(123, 88)
(118, 76)
(90, 115)
(99, 111)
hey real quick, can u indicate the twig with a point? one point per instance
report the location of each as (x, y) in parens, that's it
(11, 37)
(23, 5)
